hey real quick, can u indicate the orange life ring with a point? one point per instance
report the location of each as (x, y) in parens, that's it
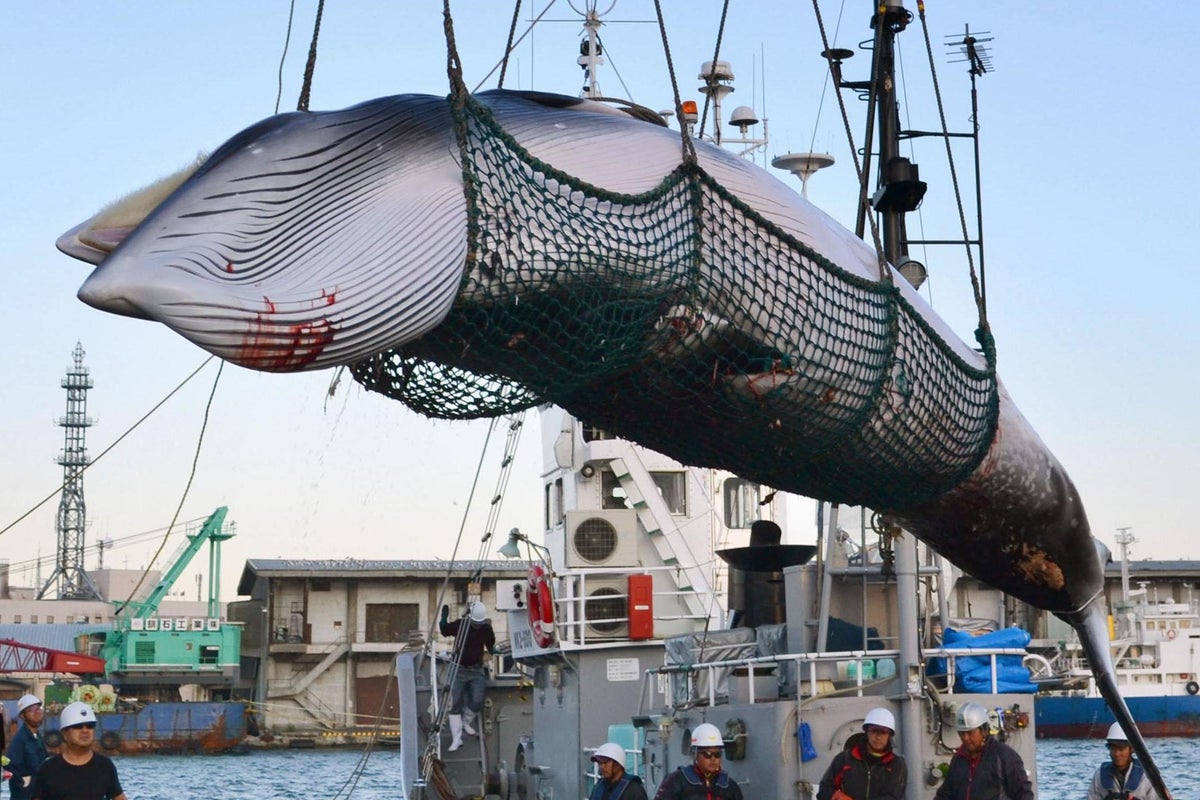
(540, 603)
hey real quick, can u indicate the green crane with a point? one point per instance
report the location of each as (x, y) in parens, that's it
(209, 532)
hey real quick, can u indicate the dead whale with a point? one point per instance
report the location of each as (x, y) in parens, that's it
(312, 240)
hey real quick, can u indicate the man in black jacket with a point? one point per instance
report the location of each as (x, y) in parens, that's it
(867, 768)
(984, 768)
(615, 783)
(472, 644)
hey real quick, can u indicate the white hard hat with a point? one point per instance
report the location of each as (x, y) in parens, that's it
(707, 735)
(27, 701)
(1116, 734)
(880, 717)
(76, 714)
(478, 612)
(971, 716)
(611, 750)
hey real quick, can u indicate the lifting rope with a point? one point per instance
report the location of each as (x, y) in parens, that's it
(712, 75)
(508, 46)
(311, 65)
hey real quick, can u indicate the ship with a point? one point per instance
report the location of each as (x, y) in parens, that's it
(137, 670)
(662, 596)
(1155, 645)
(158, 728)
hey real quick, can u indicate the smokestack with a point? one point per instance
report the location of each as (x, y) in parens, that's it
(756, 575)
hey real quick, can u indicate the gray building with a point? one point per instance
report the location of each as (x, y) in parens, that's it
(321, 635)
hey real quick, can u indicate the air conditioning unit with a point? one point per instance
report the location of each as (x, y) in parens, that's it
(164, 624)
(212, 624)
(137, 624)
(196, 624)
(606, 608)
(602, 538)
(510, 594)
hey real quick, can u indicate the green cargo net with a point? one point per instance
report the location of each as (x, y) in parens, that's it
(683, 320)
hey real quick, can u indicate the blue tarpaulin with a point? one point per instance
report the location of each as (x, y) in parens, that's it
(974, 674)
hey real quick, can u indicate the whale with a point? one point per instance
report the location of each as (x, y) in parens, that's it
(321, 239)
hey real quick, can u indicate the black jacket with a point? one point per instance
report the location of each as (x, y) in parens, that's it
(628, 788)
(997, 773)
(864, 776)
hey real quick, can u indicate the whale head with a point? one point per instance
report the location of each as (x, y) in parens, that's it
(302, 242)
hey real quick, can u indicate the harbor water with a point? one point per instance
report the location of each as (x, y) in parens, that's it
(1064, 768)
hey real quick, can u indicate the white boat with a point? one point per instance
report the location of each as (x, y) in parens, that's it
(1156, 651)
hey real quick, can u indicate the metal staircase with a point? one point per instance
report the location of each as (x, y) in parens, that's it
(670, 543)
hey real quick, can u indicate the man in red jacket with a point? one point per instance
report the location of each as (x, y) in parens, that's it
(867, 767)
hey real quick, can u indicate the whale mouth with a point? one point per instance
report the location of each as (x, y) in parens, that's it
(102, 292)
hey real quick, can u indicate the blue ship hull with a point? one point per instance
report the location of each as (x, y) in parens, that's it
(205, 727)
(1088, 717)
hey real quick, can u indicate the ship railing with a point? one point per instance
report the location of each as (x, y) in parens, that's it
(812, 670)
(575, 595)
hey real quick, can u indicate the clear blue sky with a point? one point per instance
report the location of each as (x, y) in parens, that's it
(1090, 185)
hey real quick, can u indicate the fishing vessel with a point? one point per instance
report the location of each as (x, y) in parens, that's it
(738, 328)
(784, 647)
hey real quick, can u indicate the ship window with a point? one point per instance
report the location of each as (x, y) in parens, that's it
(612, 495)
(673, 488)
(321, 585)
(554, 504)
(143, 652)
(209, 654)
(391, 622)
(741, 502)
(49, 619)
(17, 618)
(33, 619)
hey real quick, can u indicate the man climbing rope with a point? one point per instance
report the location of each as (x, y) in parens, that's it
(470, 678)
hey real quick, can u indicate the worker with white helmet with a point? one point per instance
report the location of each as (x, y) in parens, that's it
(615, 783)
(1122, 778)
(473, 637)
(867, 767)
(983, 767)
(703, 779)
(78, 773)
(27, 750)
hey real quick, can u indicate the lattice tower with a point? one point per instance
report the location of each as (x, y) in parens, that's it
(70, 580)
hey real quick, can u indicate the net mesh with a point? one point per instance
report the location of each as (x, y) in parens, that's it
(683, 320)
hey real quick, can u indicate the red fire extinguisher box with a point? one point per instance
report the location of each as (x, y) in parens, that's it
(641, 607)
